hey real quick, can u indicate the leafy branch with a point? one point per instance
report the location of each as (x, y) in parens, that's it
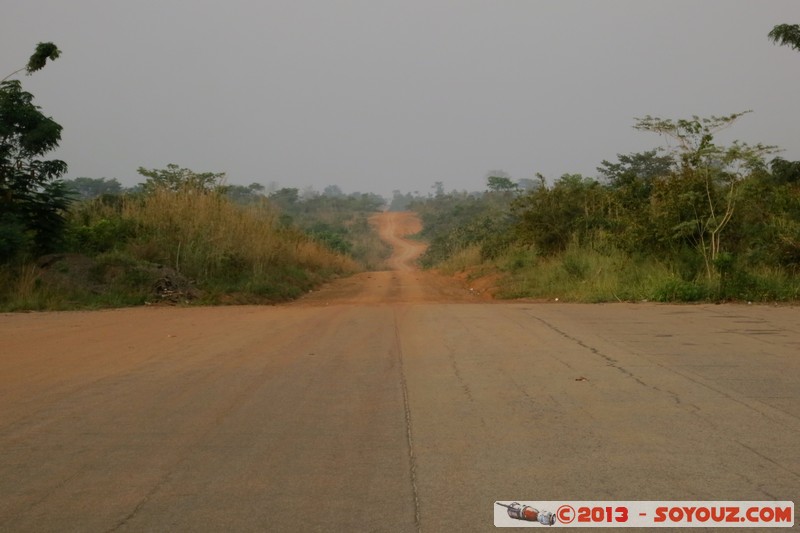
(38, 60)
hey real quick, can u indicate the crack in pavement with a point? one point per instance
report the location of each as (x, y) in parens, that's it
(412, 462)
(614, 363)
(675, 397)
(202, 434)
(611, 361)
(768, 459)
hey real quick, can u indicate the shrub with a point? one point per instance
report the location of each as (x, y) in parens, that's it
(101, 235)
(680, 290)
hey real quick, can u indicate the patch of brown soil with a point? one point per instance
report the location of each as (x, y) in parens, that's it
(480, 284)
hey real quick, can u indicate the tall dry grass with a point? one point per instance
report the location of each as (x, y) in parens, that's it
(204, 235)
(232, 253)
(461, 261)
(19, 289)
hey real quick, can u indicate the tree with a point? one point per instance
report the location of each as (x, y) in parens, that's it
(785, 171)
(240, 194)
(333, 191)
(500, 184)
(37, 61)
(257, 188)
(400, 201)
(32, 197)
(631, 182)
(88, 188)
(703, 190)
(285, 198)
(642, 167)
(175, 178)
(552, 217)
(786, 35)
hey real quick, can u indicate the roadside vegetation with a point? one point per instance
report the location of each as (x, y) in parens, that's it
(697, 222)
(690, 221)
(337, 220)
(180, 243)
(179, 236)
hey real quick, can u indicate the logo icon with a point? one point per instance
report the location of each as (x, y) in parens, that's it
(529, 514)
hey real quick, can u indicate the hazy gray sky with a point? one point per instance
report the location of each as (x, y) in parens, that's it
(379, 95)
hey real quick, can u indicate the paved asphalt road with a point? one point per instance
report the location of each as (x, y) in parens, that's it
(391, 401)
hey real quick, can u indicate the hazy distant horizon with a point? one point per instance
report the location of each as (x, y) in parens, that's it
(376, 96)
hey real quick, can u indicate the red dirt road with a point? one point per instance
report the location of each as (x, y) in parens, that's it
(390, 401)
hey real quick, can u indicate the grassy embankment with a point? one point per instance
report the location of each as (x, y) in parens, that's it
(129, 250)
(481, 235)
(581, 274)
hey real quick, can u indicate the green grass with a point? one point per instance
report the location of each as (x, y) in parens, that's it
(583, 274)
(580, 275)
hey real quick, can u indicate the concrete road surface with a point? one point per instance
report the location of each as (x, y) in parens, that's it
(391, 401)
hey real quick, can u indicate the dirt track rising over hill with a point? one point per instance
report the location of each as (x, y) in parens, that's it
(404, 283)
(390, 401)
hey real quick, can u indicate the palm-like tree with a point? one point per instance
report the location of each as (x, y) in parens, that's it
(786, 34)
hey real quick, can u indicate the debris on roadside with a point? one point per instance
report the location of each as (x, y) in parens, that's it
(172, 288)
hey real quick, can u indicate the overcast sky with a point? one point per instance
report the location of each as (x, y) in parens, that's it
(377, 95)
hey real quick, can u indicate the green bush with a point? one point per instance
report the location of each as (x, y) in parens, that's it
(517, 259)
(101, 235)
(332, 237)
(680, 290)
